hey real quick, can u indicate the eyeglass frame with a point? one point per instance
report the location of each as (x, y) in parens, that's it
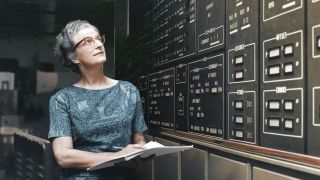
(102, 40)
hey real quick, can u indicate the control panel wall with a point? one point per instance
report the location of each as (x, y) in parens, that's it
(206, 95)
(283, 118)
(242, 113)
(282, 69)
(143, 89)
(181, 86)
(173, 30)
(242, 69)
(161, 103)
(210, 25)
(313, 56)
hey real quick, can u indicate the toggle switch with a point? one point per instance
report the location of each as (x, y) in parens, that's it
(288, 50)
(274, 122)
(274, 53)
(288, 123)
(288, 68)
(288, 105)
(274, 70)
(274, 105)
(238, 105)
(238, 75)
(239, 134)
(238, 60)
(238, 119)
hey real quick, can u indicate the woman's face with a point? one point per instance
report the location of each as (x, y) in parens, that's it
(89, 48)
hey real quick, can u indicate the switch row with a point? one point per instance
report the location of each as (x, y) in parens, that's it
(212, 90)
(239, 104)
(275, 70)
(206, 129)
(239, 119)
(275, 105)
(240, 134)
(275, 53)
(275, 123)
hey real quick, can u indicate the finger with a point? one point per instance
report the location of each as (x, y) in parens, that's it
(138, 146)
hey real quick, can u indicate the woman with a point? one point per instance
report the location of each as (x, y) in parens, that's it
(90, 120)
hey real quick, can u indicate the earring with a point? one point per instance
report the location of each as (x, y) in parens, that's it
(75, 61)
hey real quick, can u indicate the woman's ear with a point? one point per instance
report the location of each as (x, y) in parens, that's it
(73, 58)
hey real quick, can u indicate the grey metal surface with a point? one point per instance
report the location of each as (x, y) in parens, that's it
(295, 165)
(194, 165)
(167, 166)
(224, 168)
(147, 172)
(148, 138)
(263, 174)
(33, 157)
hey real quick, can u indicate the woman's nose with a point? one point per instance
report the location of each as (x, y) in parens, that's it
(98, 43)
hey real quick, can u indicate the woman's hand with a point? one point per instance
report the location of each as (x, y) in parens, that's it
(131, 148)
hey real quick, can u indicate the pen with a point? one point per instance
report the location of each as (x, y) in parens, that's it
(117, 147)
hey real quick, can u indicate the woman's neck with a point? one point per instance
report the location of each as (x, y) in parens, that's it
(95, 80)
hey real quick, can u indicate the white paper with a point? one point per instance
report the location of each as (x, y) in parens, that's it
(152, 148)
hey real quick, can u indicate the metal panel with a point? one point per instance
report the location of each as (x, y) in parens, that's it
(148, 138)
(223, 168)
(282, 76)
(33, 157)
(147, 173)
(174, 24)
(167, 166)
(181, 86)
(313, 38)
(242, 69)
(263, 174)
(206, 95)
(194, 165)
(210, 25)
(161, 98)
(143, 89)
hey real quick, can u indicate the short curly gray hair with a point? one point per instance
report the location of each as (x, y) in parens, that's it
(64, 47)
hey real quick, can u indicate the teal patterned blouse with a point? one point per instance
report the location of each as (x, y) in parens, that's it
(97, 120)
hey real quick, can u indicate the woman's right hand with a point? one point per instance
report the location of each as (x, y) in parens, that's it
(131, 148)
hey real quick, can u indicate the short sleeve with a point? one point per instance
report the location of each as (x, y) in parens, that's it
(60, 124)
(139, 124)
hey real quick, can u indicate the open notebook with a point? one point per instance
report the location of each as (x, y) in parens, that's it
(151, 148)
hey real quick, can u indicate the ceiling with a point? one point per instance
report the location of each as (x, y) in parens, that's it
(49, 16)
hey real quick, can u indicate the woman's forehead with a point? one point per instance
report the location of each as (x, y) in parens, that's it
(86, 32)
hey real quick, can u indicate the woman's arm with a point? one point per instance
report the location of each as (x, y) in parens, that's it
(138, 138)
(67, 157)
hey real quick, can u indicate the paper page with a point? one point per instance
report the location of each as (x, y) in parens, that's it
(149, 145)
(153, 144)
(151, 148)
(159, 151)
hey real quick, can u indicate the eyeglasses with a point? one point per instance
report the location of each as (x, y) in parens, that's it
(90, 41)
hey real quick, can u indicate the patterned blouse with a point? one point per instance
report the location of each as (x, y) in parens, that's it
(97, 120)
